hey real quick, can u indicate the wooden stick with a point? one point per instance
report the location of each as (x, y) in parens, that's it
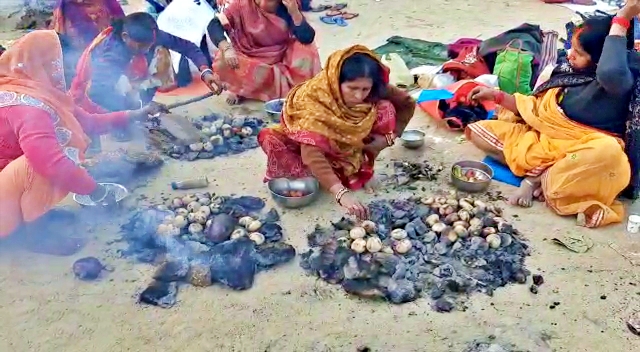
(189, 101)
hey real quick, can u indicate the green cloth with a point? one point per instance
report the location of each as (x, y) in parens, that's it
(414, 52)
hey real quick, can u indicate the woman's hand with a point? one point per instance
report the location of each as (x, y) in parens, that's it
(102, 196)
(209, 79)
(479, 94)
(292, 6)
(151, 109)
(345, 200)
(230, 57)
(378, 143)
(353, 206)
(630, 9)
(294, 11)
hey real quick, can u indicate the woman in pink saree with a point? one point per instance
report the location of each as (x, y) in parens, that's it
(271, 49)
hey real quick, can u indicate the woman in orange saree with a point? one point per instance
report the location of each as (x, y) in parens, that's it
(334, 125)
(575, 139)
(271, 49)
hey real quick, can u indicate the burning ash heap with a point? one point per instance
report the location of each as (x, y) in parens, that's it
(221, 135)
(202, 239)
(446, 247)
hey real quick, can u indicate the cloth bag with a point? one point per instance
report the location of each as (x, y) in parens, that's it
(514, 68)
(399, 74)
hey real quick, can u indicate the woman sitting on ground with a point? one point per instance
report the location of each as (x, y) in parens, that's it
(82, 20)
(566, 138)
(271, 49)
(334, 125)
(42, 134)
(128, 62)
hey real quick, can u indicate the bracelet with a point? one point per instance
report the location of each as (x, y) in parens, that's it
(621, 21)
(204, 72)
(498, 97)
(340, 194)
(390, 139)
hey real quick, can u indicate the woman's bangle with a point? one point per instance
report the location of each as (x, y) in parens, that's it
(390, 139)
(204, 72)
(498, 97)
(340, 194)
(621, 21)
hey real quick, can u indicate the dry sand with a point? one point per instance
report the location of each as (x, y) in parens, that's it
(43, 308)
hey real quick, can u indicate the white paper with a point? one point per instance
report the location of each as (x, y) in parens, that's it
(187, 20)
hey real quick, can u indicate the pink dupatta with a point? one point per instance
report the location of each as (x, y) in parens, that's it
(257, 33)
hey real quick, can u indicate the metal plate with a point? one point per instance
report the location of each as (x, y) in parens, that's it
(120, 192)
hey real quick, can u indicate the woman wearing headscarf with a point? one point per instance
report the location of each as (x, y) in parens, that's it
(334, 125)
(43, 134)
(575, 140)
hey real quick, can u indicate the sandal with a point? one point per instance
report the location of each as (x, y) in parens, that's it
(328, 20)
(339, 20)
(321, 8)
(339, 6)
(349, 15)
(333, 13)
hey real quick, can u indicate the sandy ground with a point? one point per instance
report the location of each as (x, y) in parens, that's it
(43, 308)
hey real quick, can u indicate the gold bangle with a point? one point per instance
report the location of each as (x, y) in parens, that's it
(340, 194)
(390, 139)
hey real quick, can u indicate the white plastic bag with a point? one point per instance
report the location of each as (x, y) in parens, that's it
(399, 74)
(442, 80)
(488, 80)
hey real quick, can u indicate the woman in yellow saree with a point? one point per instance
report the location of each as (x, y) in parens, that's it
(568, 138)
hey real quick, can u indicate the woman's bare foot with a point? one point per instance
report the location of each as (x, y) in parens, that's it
(538, 194)
(233, 99)
(524, 195)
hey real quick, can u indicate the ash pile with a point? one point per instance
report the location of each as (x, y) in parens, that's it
(221, 135)
(443, 248)
(201, 239)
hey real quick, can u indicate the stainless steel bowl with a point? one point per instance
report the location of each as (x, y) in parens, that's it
(120, 191)
(412, 139)
(309, 185)
(467, 186)
(273, 108)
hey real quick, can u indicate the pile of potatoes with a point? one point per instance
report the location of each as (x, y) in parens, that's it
(191, 212)
(216, 132)
(455, 218)
(363, 239)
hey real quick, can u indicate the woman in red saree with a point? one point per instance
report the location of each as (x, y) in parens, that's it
(271, 49)
(82, 20)
(334, 125)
